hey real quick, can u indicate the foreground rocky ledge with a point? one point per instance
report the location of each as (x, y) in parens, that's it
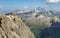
(11, 26)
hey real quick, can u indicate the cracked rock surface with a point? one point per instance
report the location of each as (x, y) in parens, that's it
(11, 26)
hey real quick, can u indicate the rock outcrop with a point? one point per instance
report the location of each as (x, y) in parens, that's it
(11, 26)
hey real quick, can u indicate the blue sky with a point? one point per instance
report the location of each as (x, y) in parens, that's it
(20, 3)
(29, 4)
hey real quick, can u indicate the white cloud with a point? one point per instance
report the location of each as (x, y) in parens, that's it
(53, 1)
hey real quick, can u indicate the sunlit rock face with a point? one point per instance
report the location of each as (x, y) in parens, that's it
(11, 26)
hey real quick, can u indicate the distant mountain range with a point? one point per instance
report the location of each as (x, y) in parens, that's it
(38, 10)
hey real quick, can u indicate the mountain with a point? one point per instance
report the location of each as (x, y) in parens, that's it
(39, 20)
(39, 10)
(11, 26)
(48, 12)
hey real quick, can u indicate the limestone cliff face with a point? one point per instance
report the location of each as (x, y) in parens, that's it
(11, 26)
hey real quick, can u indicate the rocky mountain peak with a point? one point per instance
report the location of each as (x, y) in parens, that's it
(11, 26)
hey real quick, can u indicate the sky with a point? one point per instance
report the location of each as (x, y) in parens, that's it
(8, 5)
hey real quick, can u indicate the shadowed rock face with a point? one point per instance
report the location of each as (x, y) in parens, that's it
(51, 32)
(12, 27)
